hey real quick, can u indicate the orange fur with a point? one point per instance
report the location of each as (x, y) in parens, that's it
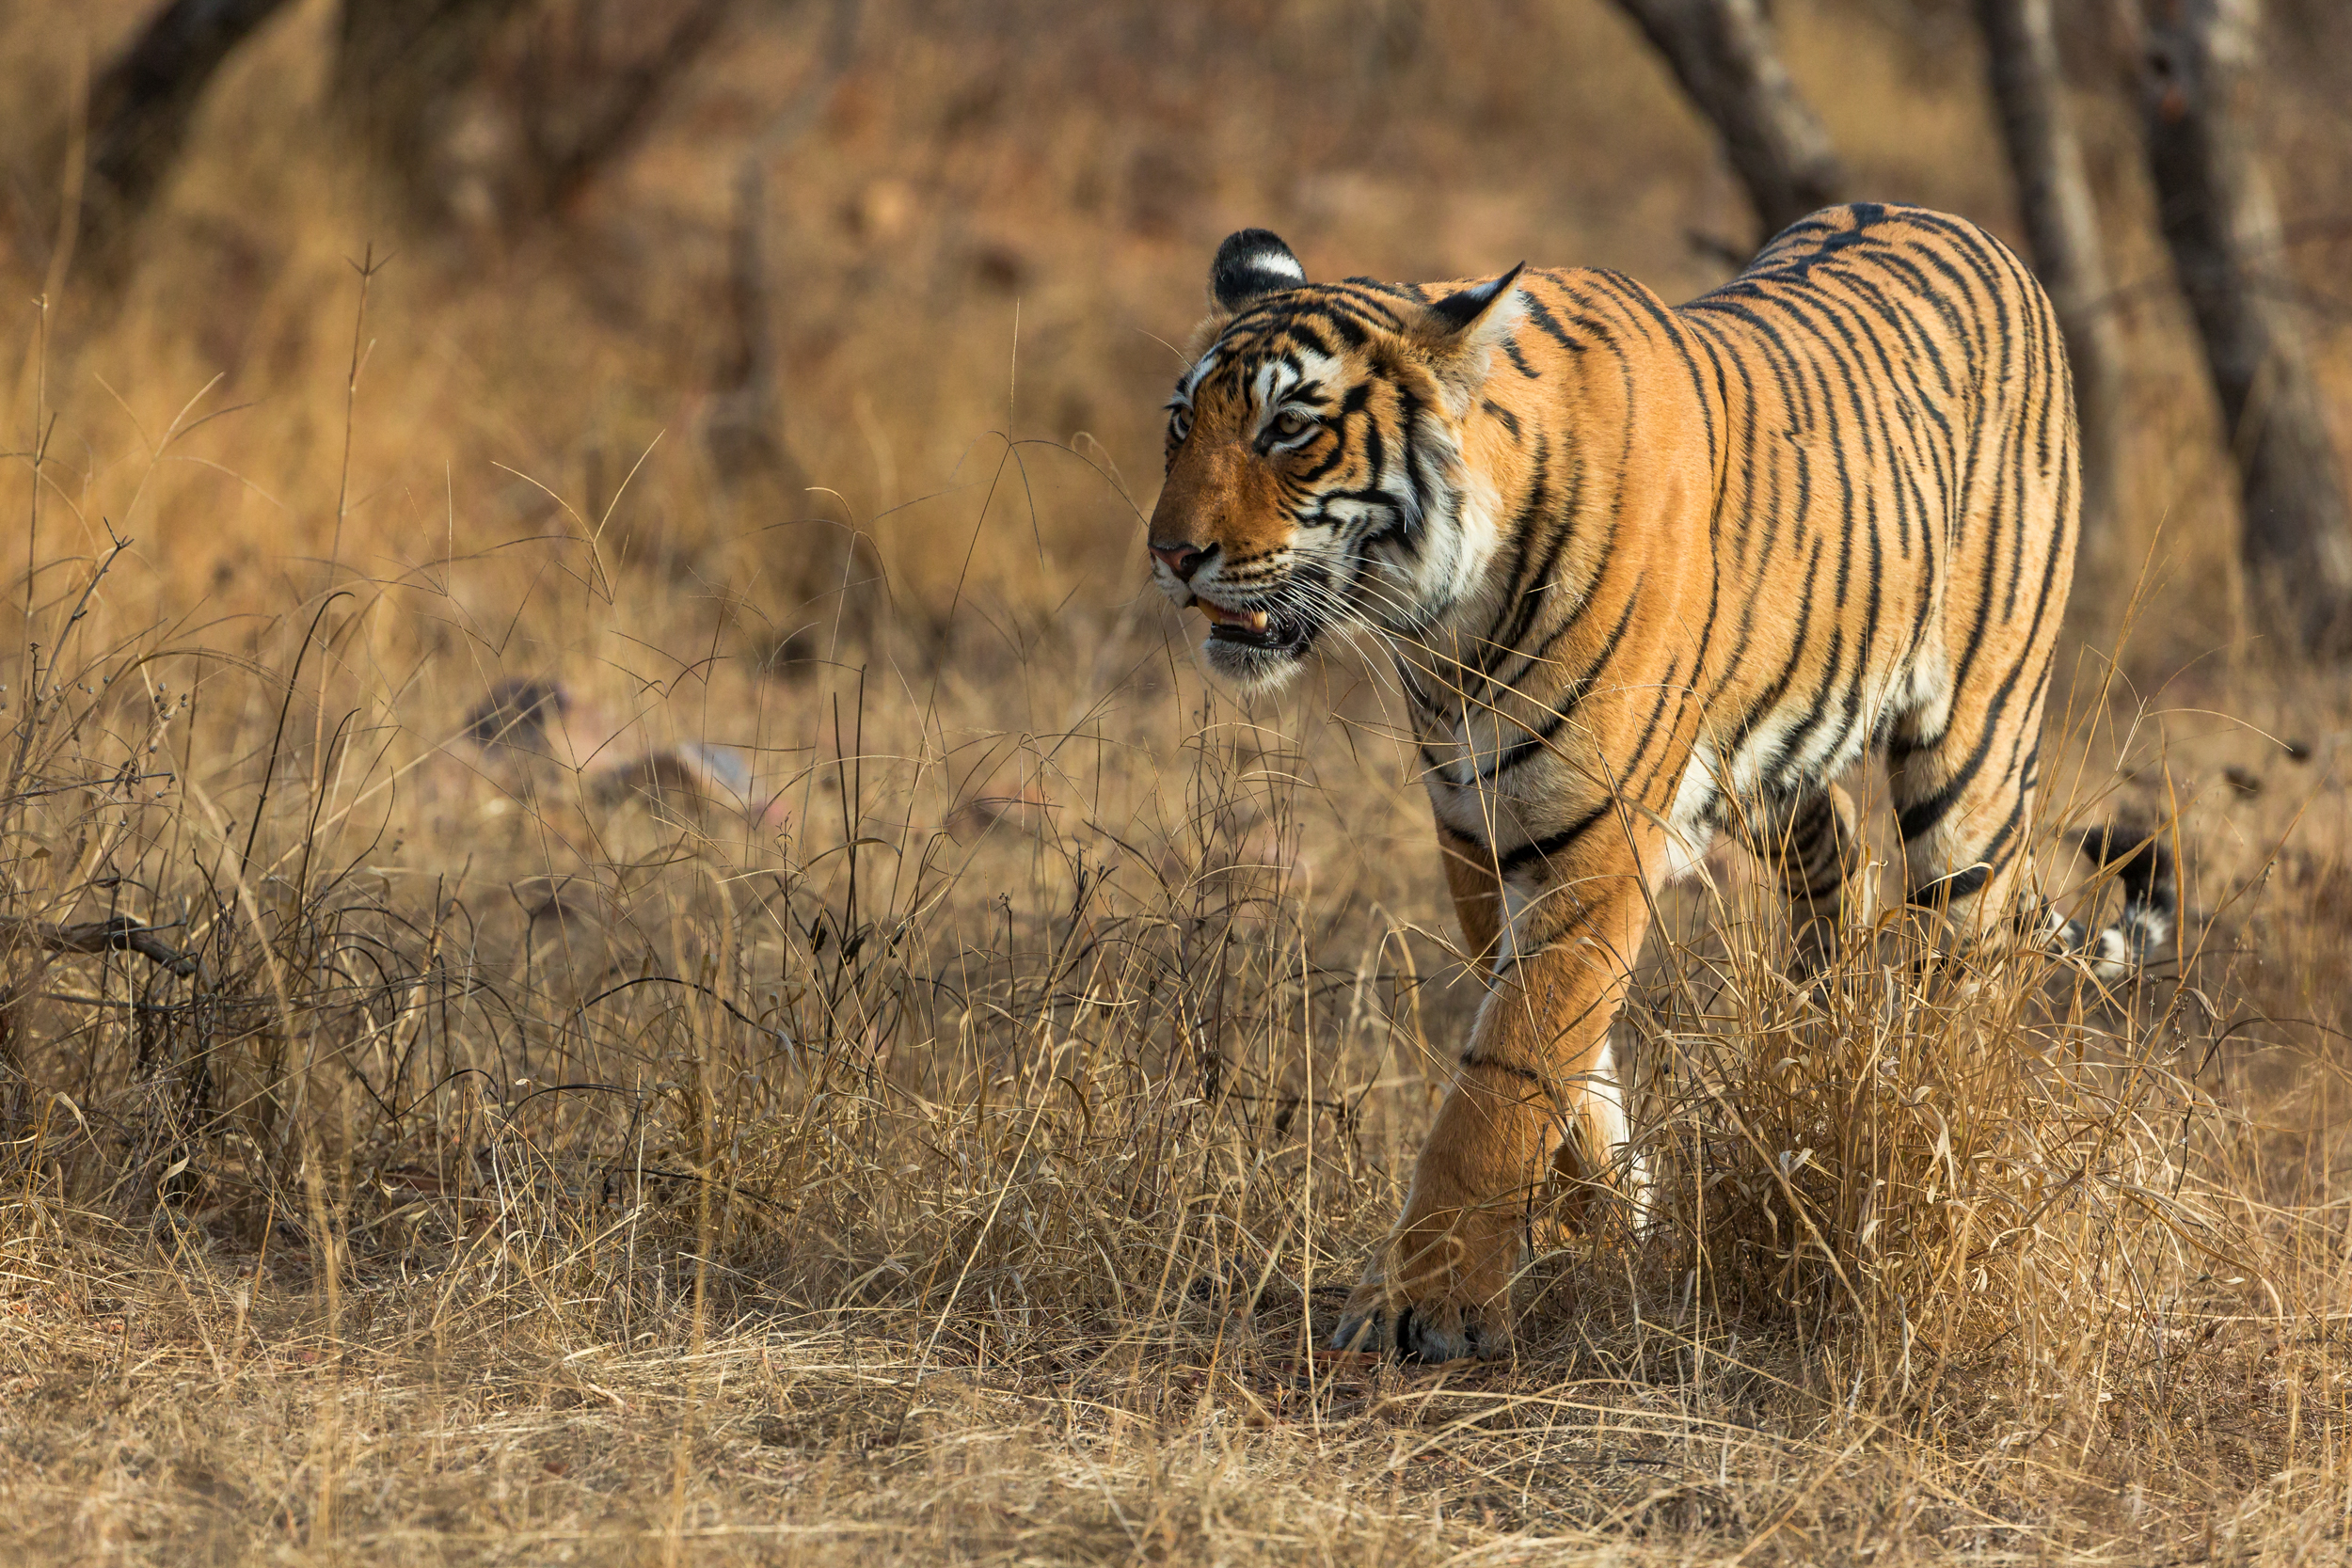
(1648, 572)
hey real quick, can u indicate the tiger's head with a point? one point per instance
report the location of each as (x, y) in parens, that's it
(1314, 458)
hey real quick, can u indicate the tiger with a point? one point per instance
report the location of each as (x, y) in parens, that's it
(1649, 575)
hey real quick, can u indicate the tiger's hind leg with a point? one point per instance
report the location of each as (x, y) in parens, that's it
(1964, 804)
(1965, 831)
(1812, 839)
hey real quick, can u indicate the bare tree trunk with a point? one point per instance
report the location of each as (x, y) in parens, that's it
(2062, 226)
(140, 109)
(1727, 57)
(2222, 225)
(742, 429)
(399, 66)
(511, 109)
(569, 151)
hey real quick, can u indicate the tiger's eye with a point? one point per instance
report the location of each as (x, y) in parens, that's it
(1289, 425)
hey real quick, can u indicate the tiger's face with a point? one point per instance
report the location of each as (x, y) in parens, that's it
(1314, 458)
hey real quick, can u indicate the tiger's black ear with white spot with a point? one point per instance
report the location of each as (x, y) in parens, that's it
(1252, 262)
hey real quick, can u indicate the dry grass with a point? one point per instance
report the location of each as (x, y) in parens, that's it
(944, 1140)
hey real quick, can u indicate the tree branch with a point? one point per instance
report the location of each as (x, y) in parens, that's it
(119, 934)
(142, 104)
(1726, 54)
(2220, 220)
(2054, 200)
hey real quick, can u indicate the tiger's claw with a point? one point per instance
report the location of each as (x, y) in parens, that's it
(1424, 1332)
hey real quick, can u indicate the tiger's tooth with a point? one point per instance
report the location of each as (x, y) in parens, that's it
(1255, 619)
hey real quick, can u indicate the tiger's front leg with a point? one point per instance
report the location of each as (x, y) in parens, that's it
(1534, 1095)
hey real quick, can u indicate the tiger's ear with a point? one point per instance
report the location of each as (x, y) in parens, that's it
(1252, 262)
(1482, 311)
(1459, 332)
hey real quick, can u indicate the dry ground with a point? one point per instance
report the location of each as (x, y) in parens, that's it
(930, 1120)
(954, 1157)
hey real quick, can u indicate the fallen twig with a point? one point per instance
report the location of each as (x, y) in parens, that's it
(120, 933)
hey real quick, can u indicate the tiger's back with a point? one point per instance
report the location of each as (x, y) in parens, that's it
(1829, 504)
(1896, 523)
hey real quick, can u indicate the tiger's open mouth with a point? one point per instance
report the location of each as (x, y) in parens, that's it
(1255, 628)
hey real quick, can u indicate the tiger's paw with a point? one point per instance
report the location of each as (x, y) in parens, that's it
(1447, 1332)
(1440, 1314)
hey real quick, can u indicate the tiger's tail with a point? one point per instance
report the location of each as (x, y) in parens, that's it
(2142, 864)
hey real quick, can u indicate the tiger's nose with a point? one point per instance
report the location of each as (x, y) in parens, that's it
(1183, 558)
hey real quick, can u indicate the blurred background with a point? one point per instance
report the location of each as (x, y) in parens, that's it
(755, 294)
(595, 545)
